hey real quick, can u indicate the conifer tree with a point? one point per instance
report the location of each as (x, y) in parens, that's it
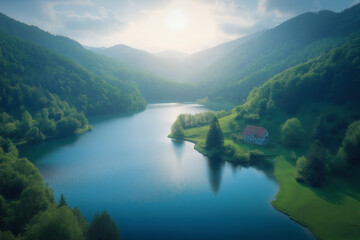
(215, 136)
(62, 201)
(103, 228)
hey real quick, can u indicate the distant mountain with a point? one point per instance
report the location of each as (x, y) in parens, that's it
(142, 60)
(295, 41)
(123, 53)
(153, 88)
(207, 57)
(173, 55)
(169, 64)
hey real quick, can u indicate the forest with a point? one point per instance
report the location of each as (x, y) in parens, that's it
(46, 95)
(296, 41)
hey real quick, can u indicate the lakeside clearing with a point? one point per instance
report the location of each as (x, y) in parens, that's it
(329, 212)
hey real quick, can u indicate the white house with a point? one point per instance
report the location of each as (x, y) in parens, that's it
(256, 135)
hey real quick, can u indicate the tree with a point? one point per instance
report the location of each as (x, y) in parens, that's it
(26, 122)
(350, 148)
(292, 132)
(103, 228)
(214, 136)
(7, 236)
(34, 135)
(62, 201)
(54, 224)
(33, 200)
(83, 224)
(313, 168)
(67, 126)
(177, 129)
(3, 212)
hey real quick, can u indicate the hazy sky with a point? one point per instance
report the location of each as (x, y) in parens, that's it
(158, 25)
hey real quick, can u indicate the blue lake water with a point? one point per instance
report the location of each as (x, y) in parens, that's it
(158, 188)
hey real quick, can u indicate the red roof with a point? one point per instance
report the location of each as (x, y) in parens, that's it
(257, 131)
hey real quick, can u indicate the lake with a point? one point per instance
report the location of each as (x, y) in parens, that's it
(158, 188)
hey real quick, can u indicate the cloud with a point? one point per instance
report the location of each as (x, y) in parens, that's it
(79, 19)
(141, 24)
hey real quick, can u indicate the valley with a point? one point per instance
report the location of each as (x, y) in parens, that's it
(104, 136)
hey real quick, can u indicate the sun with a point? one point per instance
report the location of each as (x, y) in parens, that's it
(176, 20)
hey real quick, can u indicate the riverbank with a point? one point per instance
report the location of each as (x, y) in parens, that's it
(330, 212)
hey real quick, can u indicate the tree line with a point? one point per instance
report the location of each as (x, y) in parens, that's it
(186, 121)
(314, 168)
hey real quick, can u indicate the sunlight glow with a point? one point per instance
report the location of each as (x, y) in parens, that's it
(176, 20)
(181, 25)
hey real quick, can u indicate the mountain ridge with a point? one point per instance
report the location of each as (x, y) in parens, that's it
(172, 68)
(295, 41)
(152, 87)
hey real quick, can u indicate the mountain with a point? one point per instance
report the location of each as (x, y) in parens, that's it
(173, 55)
(295, 41)
(143, 61)
(46, 95)
(332, 78)
(207, 57)
(169, 64)
(152, 87)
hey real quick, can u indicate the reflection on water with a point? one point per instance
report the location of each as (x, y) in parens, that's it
(178, 147)
(215, 168)
(35, 151)
(264, 166)
(158, 188)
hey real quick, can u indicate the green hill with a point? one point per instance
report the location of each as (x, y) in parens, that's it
(153, 88)
(46, 95)
(293, 42)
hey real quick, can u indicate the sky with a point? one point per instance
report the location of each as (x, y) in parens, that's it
(158, 25)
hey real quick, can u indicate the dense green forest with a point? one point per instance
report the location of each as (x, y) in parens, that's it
(295, 41)
(153, 88)
(45, 95)
(331, 77)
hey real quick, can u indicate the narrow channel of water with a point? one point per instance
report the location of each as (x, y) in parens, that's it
(158, 188)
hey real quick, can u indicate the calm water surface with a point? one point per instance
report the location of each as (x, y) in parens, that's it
(158, 188)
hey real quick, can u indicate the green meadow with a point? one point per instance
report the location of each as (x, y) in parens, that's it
(331, 211)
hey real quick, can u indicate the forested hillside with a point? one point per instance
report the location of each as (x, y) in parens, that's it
(292, 42)
(46, 95)
(332, 77)
(312, 114)
(153, 88)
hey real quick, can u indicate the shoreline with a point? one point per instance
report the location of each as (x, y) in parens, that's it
(273, 202)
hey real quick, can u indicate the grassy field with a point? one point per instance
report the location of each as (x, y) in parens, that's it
(330, 212)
